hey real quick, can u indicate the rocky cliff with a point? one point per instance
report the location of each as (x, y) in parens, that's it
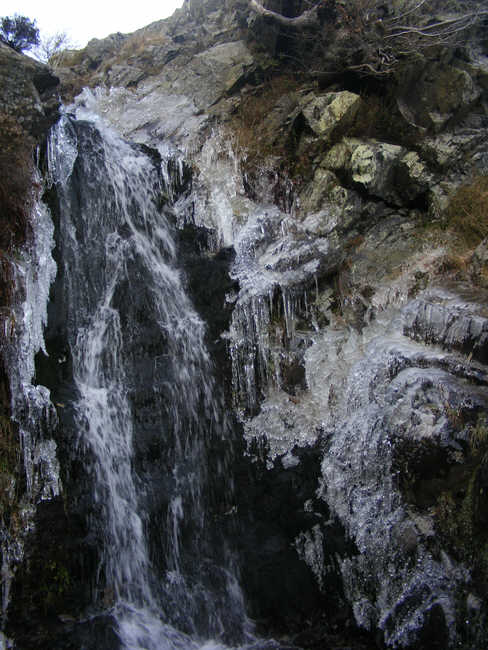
(30, 104)
(332, 222)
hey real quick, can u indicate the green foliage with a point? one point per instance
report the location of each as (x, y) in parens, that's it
(19, 32)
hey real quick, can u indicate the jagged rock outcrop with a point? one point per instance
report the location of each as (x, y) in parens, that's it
(29, 92)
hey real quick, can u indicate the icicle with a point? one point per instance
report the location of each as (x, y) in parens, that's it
(33, 272)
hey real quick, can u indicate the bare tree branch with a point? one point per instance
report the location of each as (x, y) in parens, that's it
(408, 12)
(372, 36)
(52, 46)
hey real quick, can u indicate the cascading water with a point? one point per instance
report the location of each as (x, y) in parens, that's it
(144, 398)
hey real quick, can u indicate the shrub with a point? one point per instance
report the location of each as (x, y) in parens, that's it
(252, 133)
(269, 148)
(50, 49)
(19, 32)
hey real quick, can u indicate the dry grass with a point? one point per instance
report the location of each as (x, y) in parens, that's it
(9, 448)
(478, 438)
(269, 145)
(467, 213)
(68, 58)
(139, 44)
(249, 125)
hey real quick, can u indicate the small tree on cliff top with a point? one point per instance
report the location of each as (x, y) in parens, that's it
(50, 47)
(19, 32)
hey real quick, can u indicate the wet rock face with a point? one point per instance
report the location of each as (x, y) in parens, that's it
(448, 322)
(54, 578)
(398, 396)
(209, 283)
(276, 505)
(353, 354)
(389, 378)
(29, 468)
(172, 74)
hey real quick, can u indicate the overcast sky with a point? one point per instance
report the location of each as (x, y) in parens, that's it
(86, 19)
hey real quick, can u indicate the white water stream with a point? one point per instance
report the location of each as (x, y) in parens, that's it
(116, 240)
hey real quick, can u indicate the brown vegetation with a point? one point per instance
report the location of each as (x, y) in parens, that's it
(467, 213)
(252, 136)
(9, 450)
(140, 44)
(265, 138)
(16, 196)
(380, 118)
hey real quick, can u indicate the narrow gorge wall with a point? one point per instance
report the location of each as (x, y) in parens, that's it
(259, 417)
(29, 472)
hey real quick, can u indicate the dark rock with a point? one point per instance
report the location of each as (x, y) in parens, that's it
(29, 92)
(54, 581)
(271, 503)
(440, 93)
(209, 283)
(442, 318)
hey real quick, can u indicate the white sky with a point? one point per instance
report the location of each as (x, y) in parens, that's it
(86, 19)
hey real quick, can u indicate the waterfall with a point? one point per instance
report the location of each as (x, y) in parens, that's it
(145, 413)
